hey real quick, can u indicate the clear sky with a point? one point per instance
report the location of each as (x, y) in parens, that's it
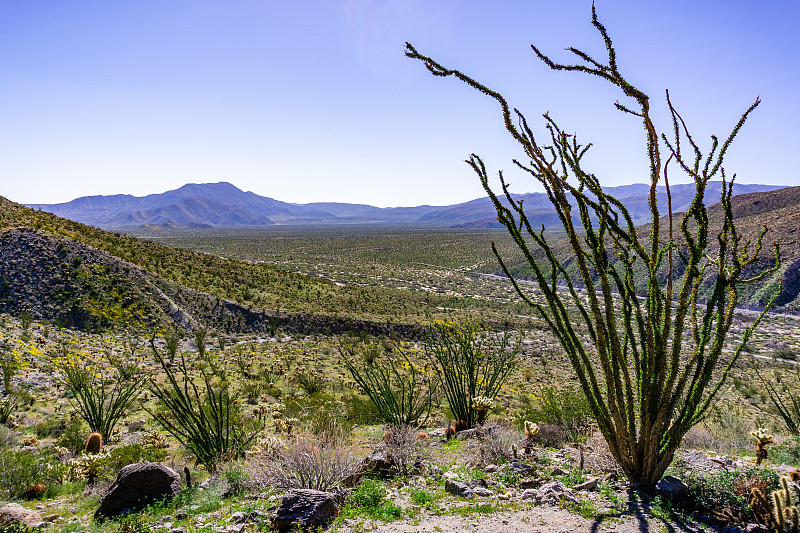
(308, 101)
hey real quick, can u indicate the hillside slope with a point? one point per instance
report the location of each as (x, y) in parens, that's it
(778, 210)
(57, 269)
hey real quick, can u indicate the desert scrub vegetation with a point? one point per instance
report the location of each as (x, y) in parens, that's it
(470, 364)
(206, 418)
(307, 440)
(648, 370)
(401, 392)
(101, 390)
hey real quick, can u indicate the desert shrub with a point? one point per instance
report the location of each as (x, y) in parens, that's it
(359, 409)
(206, 419)
(496, 447)
(16, 527)
(134, 453)
(134, 523)
(724, 495)
(551, 436)
(566, 408)
(70, 433)
(47, 427)
(311, 381)
(400, 392)
(369, 499)
(236, 478)
(100, 405)
(469, 364)
(21, 469)
(311, 464)
(404, 451)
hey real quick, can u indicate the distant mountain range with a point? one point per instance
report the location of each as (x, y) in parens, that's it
(222, 204)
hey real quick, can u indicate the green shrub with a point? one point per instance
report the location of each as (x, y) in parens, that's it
(134, 453)
(71, 434)
(422, 497)
(566, 408)
(21, 469)
(16, 527)
(134, 523)
(369, 498)
(236, 478)
(47, 427)
(726, 493)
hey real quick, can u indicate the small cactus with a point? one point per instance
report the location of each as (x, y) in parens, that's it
(94, 444)
(781, 514)
(482, 404)
(762, 441)
(531, 430)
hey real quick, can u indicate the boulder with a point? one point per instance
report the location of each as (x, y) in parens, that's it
(458, 488)
(550, 493)
(378, 463)
(14, 512)
(520, 468)
(586, 485)
(306, 508)
(138, 485)
(671, 488)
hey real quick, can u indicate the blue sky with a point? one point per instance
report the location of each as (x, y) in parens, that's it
(309, 101)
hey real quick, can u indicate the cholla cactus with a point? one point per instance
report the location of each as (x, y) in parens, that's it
(531, 430)
(261, 411)
(482, 405)
(781, 514)
(154, 439)
(88, 466)
(762, 441)
(267, 446)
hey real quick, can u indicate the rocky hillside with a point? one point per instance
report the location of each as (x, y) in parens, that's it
(79, 276)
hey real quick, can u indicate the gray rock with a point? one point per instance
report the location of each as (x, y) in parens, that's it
(586, 485)
(14, 512)
(482, 492)
(138, 485)
(530, 484)
(438, 432)
(490, 469)
(458, 488)
(521, 468)
(379, 464)
(671, 488)
(470, 434)
(305, 508)
(551, 493)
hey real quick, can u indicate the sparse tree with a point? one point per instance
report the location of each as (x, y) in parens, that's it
(653, 364)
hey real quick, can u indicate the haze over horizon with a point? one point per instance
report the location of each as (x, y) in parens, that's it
(315, 102)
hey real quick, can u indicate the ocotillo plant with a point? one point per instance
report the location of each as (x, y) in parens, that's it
(648, 367)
